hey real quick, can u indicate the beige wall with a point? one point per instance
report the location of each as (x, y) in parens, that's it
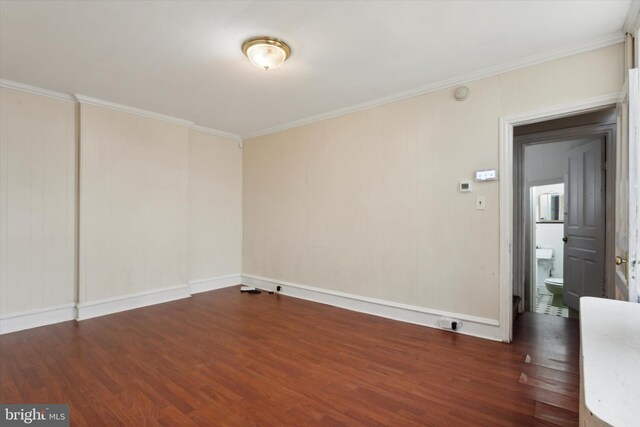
(368, 203)
(134, 200)
(215, 206)
(37, 202)
(160, 204)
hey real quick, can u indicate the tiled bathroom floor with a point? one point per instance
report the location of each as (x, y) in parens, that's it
(544, 304)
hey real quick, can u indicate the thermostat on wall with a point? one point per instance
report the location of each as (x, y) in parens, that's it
(465, 186)
(487, 175)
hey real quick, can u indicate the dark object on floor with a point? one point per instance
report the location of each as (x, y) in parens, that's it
(249, 290)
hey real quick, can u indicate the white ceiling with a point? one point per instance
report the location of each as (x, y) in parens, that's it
(183, 58)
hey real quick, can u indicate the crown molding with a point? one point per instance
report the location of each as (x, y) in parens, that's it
(603, 41)
(632, 21)
(8, 84)
(77, 98)
(132, 110)
(217, 132)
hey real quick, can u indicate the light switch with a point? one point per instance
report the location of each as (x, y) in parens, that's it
(480, 202)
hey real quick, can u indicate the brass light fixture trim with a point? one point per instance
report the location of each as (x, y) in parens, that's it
(266, 41)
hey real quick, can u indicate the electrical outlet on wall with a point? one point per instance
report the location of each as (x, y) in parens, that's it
(480, 202)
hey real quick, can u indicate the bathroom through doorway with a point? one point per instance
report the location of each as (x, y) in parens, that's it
(547, 232)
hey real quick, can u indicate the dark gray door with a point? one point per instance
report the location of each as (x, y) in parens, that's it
(584, 223)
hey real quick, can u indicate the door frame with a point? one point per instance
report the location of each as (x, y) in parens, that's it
(507, 123)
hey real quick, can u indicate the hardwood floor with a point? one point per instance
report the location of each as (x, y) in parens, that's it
(225, 358)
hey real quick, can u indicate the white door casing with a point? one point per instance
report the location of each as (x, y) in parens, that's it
(506, 189)
(634, 182)
(627, 180)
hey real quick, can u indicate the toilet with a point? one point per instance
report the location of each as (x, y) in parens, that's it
(554, 285)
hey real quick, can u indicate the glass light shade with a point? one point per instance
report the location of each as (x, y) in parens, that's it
(266, 56)
(266, 52)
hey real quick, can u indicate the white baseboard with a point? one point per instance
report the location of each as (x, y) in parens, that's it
(475, 326)
(213, 283)
(36, 318)
(87, 310)
(471, 325)
(90, 309)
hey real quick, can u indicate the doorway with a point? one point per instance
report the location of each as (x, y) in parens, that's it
(562, 197)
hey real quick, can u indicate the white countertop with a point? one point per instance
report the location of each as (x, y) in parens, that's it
(610, 340)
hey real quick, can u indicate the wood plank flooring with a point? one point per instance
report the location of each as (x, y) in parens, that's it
(226, 358)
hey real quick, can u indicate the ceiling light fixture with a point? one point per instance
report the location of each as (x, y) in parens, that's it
(266, 52)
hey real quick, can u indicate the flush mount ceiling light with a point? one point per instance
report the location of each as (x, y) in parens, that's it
(266, 52)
